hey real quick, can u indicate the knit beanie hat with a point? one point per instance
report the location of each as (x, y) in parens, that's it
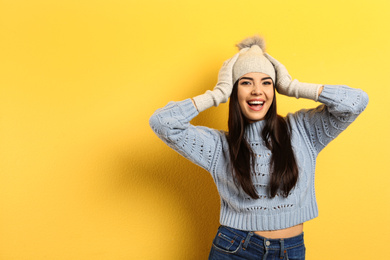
(252, 59)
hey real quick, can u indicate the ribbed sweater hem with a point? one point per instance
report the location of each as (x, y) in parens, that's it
(261, 222)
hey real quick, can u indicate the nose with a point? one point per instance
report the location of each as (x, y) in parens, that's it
(257, 89)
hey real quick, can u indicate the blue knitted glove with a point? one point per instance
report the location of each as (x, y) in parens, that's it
(292, 88)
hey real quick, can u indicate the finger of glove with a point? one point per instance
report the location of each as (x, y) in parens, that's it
(271, 59)
(230, 62)
(226, 72)
(278, 66)
(225, 75)
(235, 57)
(283, 80)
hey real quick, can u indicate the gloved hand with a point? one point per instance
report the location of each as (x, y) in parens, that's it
(292, 88)
(221, 91)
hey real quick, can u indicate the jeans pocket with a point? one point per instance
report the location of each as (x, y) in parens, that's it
(227, 242)
(296, 253)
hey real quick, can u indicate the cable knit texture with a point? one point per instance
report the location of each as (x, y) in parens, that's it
(312, 130)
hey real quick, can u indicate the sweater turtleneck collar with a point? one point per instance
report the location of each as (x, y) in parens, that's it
(253, 130)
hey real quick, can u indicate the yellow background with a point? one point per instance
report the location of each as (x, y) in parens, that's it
(82, 176)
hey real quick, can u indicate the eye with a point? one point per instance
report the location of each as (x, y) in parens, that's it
(267, 83)
(245, 82)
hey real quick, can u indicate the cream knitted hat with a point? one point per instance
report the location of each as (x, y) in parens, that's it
(252, 59)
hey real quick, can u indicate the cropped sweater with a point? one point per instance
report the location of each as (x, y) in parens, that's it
(311, 131)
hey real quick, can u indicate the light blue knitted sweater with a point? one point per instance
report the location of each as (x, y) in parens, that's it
(312, 130)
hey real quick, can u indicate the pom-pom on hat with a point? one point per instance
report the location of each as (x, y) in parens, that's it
(252, 59)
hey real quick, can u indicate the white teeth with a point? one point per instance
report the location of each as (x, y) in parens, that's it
(256, 102)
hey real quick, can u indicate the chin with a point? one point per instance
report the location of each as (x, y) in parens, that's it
(254, 118)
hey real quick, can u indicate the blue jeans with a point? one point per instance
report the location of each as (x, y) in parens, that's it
(230, 243)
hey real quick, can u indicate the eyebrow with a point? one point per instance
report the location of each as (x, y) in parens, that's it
(252, 78)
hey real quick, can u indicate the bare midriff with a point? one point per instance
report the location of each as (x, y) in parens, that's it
(282, 233)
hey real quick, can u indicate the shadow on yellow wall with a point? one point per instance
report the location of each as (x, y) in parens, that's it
(173, 199)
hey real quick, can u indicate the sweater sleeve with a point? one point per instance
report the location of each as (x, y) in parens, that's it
(196, 143)
(341, 105)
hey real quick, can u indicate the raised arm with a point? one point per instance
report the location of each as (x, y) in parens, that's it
(196, 143)
(172, 122)
(341, 105)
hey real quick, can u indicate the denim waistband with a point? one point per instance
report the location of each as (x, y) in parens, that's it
(270, 243)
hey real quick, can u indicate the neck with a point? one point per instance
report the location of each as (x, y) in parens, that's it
(253, 130)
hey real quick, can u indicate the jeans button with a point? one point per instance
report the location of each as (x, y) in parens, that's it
(267, 243)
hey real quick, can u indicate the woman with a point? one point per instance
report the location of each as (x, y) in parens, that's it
(264, 165)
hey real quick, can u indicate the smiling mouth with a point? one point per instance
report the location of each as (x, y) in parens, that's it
(255, 105)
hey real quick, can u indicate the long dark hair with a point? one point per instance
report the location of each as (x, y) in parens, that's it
(277, 137)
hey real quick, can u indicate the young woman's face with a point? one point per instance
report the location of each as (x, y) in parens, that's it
(255, 94)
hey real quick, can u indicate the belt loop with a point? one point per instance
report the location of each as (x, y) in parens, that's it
(281, 248)
(247, 239)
